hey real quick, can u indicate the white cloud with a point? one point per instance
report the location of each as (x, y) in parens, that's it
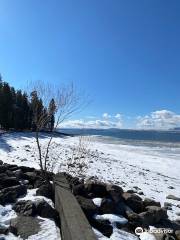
(118, 116)
(106, 116)
(96, 124)
(162, 119)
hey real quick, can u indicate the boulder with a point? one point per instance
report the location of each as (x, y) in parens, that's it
(103, 226)
(158, 213)
(168, 205)
(43, 209)
(107, 206)
(10, 173)
(87, 206)
(133, 201)
(152, 216)
(10, 194)
(24, 226)
(115, 192)
(31, 177)
(150, 202)
(177, 234)
(26, 169)
(8, 182)
(25, 208)
(97, 188)
(3, 168)
(173, 197)
(19, 174)
(79, 190)
(46, 190)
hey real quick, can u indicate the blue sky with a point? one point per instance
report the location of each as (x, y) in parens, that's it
(124, 54)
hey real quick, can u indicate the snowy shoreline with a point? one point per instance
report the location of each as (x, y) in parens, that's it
(155, 174)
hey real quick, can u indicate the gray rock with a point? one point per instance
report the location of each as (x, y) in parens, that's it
(177, 234)
(10, 194)
(25, 208)
(43, 209)
(87, 206)
(103, 226)
(97, 188)
(24, 226)
(173, 197)
(150, 202)
(107, 206)
(115, 192)
(8, 182)
(46, 190)
(133, 201)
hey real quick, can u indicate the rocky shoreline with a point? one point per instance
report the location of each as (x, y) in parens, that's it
(98, 200)
(14, 184)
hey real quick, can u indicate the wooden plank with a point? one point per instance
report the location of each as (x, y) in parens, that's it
(74, 224)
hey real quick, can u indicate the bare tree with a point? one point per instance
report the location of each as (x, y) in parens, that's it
(51, 104)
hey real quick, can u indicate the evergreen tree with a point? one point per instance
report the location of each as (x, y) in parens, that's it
(51, 112)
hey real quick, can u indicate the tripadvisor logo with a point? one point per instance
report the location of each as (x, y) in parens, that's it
(140, 230)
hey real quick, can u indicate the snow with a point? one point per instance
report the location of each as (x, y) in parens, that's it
(31, 195)
(48, 231)
(112, 218)
(117, 235)
(97, 201)
(153, 169)
(147, 236)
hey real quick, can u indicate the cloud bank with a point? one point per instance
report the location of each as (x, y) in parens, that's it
(106, 121)
(162, 119)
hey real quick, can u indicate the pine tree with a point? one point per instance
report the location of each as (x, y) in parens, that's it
(51, 112)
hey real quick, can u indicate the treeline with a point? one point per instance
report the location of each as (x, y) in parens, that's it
(18, 111)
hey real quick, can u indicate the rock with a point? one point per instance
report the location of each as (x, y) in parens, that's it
(10, 194)
(31, 177)
(98, 189)
(26, 169)
(19, 174)
(152, 216)
(1, 162)
(10, 173)
(107, 206)
(177, 234)
(140, 193)
(168, 206)
(158, 213)
(150, 202)
(132, 191)
(87, 206)
(173, 197)
(3, 168)
(166, 223)
(133, 201)
(25, 208)
(115, 192)
(46, 190)
(103, 226)
(25, 226)
(8, 182)
(43, 209)
(3, 230)
(79, 190)
(171, 187)
(126, 227)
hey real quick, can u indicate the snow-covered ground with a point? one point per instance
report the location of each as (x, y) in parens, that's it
(154, 171)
